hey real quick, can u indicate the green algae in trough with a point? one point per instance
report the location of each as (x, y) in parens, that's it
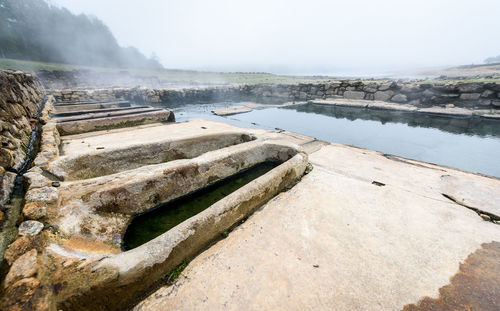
(148, 226)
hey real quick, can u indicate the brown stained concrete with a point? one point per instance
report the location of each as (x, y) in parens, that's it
(361, 231)
(475, 287)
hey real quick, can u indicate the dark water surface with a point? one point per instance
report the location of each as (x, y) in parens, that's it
(471, 144)
(149, 225)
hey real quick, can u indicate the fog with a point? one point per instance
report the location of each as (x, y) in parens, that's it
(303, 37)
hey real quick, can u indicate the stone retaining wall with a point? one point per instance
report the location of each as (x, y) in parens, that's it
(20, 97)
(466, 95)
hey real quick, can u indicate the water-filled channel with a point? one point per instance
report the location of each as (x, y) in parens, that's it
(148, 226)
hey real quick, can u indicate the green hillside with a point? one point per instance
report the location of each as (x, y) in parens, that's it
(37, 31)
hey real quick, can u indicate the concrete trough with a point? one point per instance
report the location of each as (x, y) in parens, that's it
(100, 114)
(107, 161)
(82, 112)
(98, 210)
(77, 107)
(105, 123)
(63, 103)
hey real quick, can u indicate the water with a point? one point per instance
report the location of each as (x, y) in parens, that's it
(471, 144)
(149, 225)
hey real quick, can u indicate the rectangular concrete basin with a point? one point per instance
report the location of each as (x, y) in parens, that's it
(112, 122)
(61, 108)
(133, 272)
(116, 159)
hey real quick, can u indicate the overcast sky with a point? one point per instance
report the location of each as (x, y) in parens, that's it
(309, 36)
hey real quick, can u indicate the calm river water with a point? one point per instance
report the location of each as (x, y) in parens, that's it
(471, 144)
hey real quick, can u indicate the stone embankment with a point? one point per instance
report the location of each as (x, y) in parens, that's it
(20, 97)
(456, 94)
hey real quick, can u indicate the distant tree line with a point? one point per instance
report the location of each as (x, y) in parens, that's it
(491, 60)
(35, 30)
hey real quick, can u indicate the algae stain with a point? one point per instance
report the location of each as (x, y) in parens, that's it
(151, 224)
(476, 286)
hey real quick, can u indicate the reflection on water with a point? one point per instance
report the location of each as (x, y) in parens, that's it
(458, 125)
(471, 144)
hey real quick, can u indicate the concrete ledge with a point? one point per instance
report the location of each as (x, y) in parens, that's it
(231, 111)
(435, 110)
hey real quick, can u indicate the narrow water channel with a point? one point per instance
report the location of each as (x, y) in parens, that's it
(148, 226)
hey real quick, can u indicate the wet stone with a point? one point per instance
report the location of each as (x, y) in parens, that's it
(24, 267)
(35, 210)
(19, 247)
(485, 217)
(30, 228)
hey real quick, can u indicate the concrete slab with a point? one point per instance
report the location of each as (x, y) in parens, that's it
(231, 111)
(455, 111)
(339, 241)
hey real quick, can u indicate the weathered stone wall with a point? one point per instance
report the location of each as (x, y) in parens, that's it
(467, 95)
(20, 97)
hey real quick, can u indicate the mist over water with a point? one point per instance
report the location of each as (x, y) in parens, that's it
(363, 37)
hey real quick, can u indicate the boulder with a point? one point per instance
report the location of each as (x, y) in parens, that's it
(35, 210)
(470, 96)
(428, 93)
(487, 93)
(24, 267)
(370, 88)
(19, 247)
(27, 294)
(470, 87)
(30, 228)
(385, 86)
(354, 95)
(48, 195)
(383, 96)
(399, 98)
(410, 88)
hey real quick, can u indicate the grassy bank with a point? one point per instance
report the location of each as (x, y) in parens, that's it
(191, 76)
(180, 76)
